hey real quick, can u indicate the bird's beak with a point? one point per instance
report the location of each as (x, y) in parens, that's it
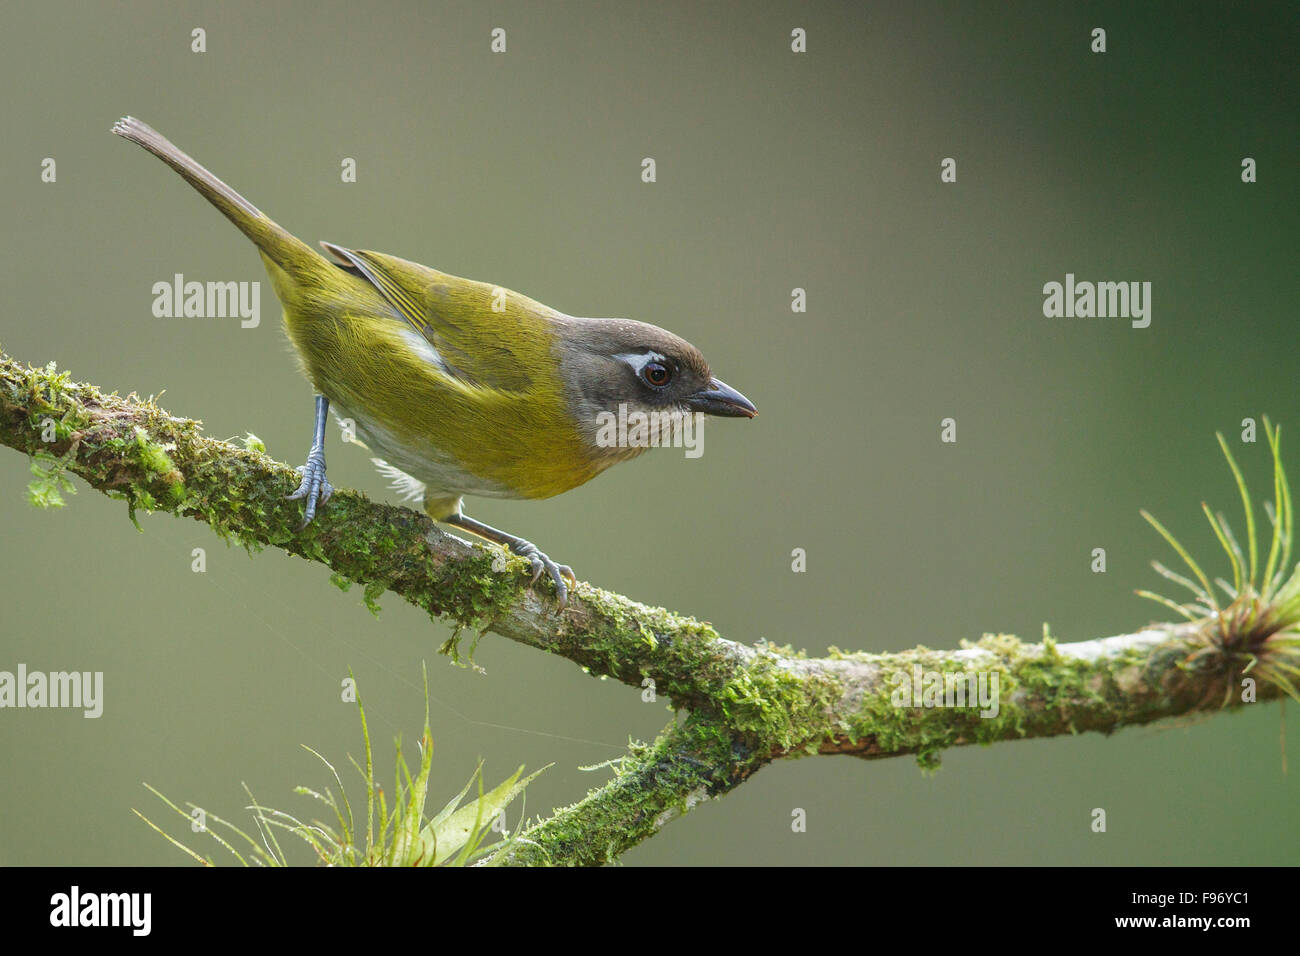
(721, 399)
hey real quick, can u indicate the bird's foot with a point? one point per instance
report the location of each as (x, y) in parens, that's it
(540, 562)
(315, 487)
(525, 549)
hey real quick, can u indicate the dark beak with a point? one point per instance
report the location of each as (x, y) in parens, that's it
(721, 399)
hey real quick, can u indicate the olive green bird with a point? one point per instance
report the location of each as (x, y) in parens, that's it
(467, 388)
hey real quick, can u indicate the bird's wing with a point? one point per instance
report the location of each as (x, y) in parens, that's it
(485, 336)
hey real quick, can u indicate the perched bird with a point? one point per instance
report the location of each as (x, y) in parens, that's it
(468, 388)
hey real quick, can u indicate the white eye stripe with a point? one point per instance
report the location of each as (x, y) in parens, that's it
(639, 360)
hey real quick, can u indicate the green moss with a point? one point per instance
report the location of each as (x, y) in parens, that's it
(49, 481)
(776, 707)
(371, 597)
(1036, 686)
(151, 455)
(746, 706)
(651, 785)
(471, 592)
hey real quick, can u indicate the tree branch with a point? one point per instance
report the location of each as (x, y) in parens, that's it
(746, 706)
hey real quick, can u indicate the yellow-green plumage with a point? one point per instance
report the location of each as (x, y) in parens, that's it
(498, 428)
(354, 344)
(467, 387)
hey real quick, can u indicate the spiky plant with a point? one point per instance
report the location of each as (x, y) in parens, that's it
(1257, 631)
(456, 836)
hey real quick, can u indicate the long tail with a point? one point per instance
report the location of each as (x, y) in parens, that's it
(283, 248)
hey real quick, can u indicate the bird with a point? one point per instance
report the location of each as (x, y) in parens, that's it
(462, 387)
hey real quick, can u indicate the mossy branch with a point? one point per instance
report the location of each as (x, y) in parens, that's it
(744, 706)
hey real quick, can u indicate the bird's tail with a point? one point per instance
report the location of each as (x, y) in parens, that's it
(283, 248)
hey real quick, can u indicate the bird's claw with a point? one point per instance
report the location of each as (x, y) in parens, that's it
(539, 562)
(315, 487)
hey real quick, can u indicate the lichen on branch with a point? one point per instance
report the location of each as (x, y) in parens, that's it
(739, 706)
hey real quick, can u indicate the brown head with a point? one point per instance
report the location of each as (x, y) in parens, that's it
(620, 366)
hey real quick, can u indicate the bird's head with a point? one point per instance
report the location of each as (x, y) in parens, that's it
(619, 367)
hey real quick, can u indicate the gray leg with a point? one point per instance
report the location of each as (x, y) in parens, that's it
(525, 549)
(315, 488)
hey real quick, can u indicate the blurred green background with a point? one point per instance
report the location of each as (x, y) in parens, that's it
(775, 171)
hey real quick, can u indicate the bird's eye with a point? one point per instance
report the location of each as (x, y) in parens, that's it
(656, 374)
